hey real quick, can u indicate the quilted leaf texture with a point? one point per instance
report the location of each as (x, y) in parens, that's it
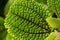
(54, 22)
(10, 2)
(54, 36)
(54, 6)
(26, 20)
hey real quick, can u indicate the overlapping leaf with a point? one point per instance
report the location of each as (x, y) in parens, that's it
(54, 36)
(54, 22)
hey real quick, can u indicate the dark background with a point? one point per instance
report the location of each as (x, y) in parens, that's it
(2, 5)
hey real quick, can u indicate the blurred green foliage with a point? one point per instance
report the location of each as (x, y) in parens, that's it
(3, 31)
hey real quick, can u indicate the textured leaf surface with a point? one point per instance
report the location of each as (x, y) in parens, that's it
(10, 2)
(54, 6)
(26, 20)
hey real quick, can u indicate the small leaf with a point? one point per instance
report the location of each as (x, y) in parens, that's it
(54, 22)
(54, 36)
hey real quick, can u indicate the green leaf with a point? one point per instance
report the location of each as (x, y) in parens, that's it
(54, 6)
(26, 20)
(54, 22)
(54, 36)
(9, 37)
